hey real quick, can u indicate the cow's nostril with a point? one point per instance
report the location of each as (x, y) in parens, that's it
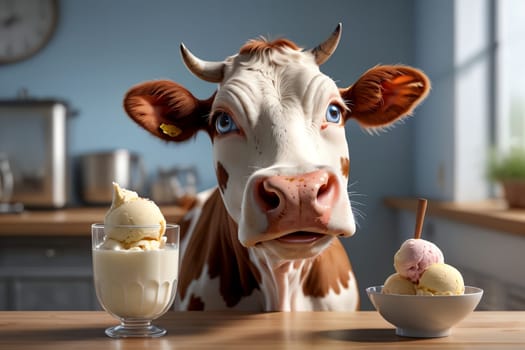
(327, 192)
(267, 198)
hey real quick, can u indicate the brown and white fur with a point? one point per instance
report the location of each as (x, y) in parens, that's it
(267, 238)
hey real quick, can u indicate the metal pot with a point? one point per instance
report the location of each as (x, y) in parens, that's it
(99, 170)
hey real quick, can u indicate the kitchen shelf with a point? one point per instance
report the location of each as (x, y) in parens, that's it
(65, 222)
(490, 214)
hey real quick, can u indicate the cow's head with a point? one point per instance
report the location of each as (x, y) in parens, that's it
(277, 127)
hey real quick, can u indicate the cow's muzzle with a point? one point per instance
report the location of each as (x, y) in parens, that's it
(295, 209)
(297, 202)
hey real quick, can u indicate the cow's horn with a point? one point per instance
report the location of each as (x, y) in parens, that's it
(323, 51)
(206, 70)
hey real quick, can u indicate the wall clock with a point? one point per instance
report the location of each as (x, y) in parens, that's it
(26, 26)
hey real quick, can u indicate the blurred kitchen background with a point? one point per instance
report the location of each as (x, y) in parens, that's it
(101, 48)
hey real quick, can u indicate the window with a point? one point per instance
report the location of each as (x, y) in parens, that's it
(510, 73)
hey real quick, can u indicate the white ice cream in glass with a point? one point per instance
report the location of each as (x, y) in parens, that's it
(135, 264)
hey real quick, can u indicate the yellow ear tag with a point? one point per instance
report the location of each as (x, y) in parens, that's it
(170, 130)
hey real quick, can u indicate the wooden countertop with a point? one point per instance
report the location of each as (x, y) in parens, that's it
(490, 214)
(299, 330)
(70, 222)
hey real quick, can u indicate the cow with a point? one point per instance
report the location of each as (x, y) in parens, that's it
(267, 237)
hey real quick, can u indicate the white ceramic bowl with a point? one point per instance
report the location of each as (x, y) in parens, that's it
(422, 315)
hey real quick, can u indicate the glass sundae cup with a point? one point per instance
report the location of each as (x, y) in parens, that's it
(135, 285)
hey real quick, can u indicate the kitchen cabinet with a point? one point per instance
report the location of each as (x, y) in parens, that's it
(46, 273)
(49, 293)
(3, 295)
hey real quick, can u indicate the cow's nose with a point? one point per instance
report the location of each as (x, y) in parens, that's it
(291, 200)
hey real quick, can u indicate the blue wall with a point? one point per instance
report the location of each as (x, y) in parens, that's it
(101, 48)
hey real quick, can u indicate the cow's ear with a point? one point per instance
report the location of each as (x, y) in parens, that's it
(167, 109)
(385, 94)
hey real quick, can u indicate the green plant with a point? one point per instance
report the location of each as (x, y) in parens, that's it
(510, 166)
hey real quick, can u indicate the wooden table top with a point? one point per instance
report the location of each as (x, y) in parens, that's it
(65, 222)
(299, 330)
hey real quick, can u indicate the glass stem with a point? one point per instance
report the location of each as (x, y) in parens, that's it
(135, 324)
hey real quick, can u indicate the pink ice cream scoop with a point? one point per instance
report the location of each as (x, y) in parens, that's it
(414, 256)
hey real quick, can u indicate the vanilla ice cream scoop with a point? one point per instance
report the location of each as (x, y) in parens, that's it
(441, 279)
(133, 222)
(396, 284)
(414, 256)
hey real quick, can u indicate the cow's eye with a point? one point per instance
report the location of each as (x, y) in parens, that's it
(224, 123)
(333, 114)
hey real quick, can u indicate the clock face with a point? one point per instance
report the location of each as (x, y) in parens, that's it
(25, 27)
